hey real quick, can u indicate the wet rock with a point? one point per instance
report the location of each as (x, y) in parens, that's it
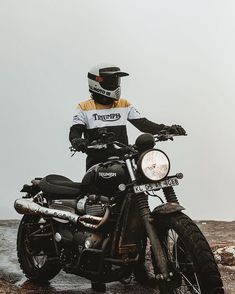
(225, 255)
(6, 287)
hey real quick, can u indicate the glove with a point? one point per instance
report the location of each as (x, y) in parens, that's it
(79, 144)
(176, 130)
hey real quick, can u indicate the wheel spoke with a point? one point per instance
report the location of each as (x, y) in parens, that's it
(175, 250)
(39, 260)
(196, 291)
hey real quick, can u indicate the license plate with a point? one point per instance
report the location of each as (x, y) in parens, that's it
(158, 185)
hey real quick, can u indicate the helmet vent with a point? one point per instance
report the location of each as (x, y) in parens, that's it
(118, 92)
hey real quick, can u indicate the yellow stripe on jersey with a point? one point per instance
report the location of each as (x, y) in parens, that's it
(92, 105)
(122, 103)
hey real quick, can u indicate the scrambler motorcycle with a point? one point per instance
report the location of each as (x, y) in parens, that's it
(103, 229)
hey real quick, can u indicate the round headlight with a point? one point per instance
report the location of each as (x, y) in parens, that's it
(154, 165)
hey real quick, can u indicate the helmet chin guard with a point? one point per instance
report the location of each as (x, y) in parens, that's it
(105, 80)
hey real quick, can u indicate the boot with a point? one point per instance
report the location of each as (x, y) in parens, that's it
(98, 286)
(143, 276)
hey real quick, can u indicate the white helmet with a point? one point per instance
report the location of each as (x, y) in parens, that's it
(105, 80)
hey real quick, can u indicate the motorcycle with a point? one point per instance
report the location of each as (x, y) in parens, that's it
(103, 229)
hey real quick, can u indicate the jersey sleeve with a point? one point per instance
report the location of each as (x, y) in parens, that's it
(133, 113)
(79, 124)
(142, 123)
(79, 117)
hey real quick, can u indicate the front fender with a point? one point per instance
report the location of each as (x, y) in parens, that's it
(167, 208)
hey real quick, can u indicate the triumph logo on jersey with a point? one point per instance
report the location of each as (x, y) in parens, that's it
(107, 117)
(107, 175)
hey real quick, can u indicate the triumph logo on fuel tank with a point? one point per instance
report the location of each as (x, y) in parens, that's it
(107, 117)
(107, 175)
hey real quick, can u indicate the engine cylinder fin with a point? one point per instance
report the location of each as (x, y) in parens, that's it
(94, 209)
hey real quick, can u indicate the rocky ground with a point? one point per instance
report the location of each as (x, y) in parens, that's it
(221, 236)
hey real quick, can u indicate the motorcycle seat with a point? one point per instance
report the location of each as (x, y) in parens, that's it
(60, 185)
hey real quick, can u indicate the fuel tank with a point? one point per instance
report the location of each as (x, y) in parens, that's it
(108, 178)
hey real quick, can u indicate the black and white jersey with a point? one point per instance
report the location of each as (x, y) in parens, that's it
(90, 116)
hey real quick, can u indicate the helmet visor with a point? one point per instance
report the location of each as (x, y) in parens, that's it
(110, 83)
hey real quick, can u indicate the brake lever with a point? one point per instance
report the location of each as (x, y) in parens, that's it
(72, 150)
(165, 137)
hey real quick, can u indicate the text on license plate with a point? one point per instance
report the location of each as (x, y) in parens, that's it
(158, 185)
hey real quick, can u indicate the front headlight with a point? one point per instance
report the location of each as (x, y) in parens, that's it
(154, 165)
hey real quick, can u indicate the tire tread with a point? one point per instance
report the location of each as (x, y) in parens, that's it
(203, 258)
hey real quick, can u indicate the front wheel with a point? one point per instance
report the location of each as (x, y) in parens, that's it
(189, 255)
(36, 250)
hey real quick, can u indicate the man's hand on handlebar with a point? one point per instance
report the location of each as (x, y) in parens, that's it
(79, 144)
(168, 133)
(107, 138)
(176, 130)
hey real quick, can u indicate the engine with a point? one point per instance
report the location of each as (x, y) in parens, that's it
(73, 243)
(73, 240)
(92, 205)
(105, 182)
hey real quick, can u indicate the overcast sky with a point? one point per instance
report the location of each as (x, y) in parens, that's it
(180, 56)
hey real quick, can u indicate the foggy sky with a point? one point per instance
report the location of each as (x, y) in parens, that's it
(180, 56)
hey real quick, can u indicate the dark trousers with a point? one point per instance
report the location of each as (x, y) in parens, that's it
(90, 161)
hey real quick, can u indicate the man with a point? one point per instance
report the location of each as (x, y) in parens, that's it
(107, 110)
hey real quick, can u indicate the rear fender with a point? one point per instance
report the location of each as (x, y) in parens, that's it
(167, 208)
(33, 189)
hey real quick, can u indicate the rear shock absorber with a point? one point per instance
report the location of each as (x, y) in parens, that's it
(170, 195)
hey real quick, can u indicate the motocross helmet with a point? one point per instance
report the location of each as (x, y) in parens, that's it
(104, 81)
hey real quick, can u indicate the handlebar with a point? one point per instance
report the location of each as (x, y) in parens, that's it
(165, 136)
(119, 148)
(107, 139)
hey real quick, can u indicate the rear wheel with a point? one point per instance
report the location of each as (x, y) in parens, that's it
(35, 249)
(189, 255)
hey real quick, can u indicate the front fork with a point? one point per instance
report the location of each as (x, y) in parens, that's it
(143, 206)
(160, 258)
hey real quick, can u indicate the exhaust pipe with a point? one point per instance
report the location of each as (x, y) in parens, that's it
(27, 206)
(93, 219)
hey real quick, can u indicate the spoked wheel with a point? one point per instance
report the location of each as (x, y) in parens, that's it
(190, 258)
(35, 249)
